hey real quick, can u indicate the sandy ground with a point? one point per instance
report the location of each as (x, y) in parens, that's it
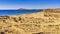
(36, 23)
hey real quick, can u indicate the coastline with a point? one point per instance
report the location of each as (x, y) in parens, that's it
(40, 22)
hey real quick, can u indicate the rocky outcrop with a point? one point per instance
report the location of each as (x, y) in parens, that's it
(52, 10)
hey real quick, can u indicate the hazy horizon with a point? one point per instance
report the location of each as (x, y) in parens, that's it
(29, 4)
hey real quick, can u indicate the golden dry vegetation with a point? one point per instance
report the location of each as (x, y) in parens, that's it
(45, 22)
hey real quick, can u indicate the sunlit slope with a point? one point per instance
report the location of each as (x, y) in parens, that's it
(45, 22)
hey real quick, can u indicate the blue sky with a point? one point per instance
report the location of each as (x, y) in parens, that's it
(29, 4)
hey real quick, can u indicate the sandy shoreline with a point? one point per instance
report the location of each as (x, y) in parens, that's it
(43, 22)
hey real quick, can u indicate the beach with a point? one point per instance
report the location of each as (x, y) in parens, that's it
(45, 22)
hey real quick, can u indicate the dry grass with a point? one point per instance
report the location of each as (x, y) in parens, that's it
(46, 22)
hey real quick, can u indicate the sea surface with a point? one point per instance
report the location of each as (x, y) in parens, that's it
(17, 12)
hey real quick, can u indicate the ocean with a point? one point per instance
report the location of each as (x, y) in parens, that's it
(17, 12)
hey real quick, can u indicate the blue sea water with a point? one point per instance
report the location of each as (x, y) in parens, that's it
(17, 12)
